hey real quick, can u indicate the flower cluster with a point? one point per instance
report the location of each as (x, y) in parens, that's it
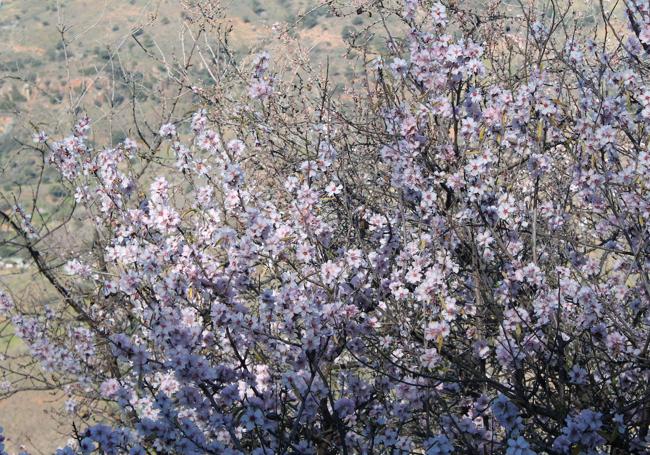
(581, 431)
(6, 303)
(2, 443)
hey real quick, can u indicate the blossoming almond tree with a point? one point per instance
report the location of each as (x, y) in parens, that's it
(449, 257)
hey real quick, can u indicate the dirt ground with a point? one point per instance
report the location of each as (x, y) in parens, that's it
(27, 422)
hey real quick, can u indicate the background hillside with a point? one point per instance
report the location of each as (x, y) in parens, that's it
(104, 55)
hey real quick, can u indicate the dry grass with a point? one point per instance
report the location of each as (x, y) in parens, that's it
(27, 420)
